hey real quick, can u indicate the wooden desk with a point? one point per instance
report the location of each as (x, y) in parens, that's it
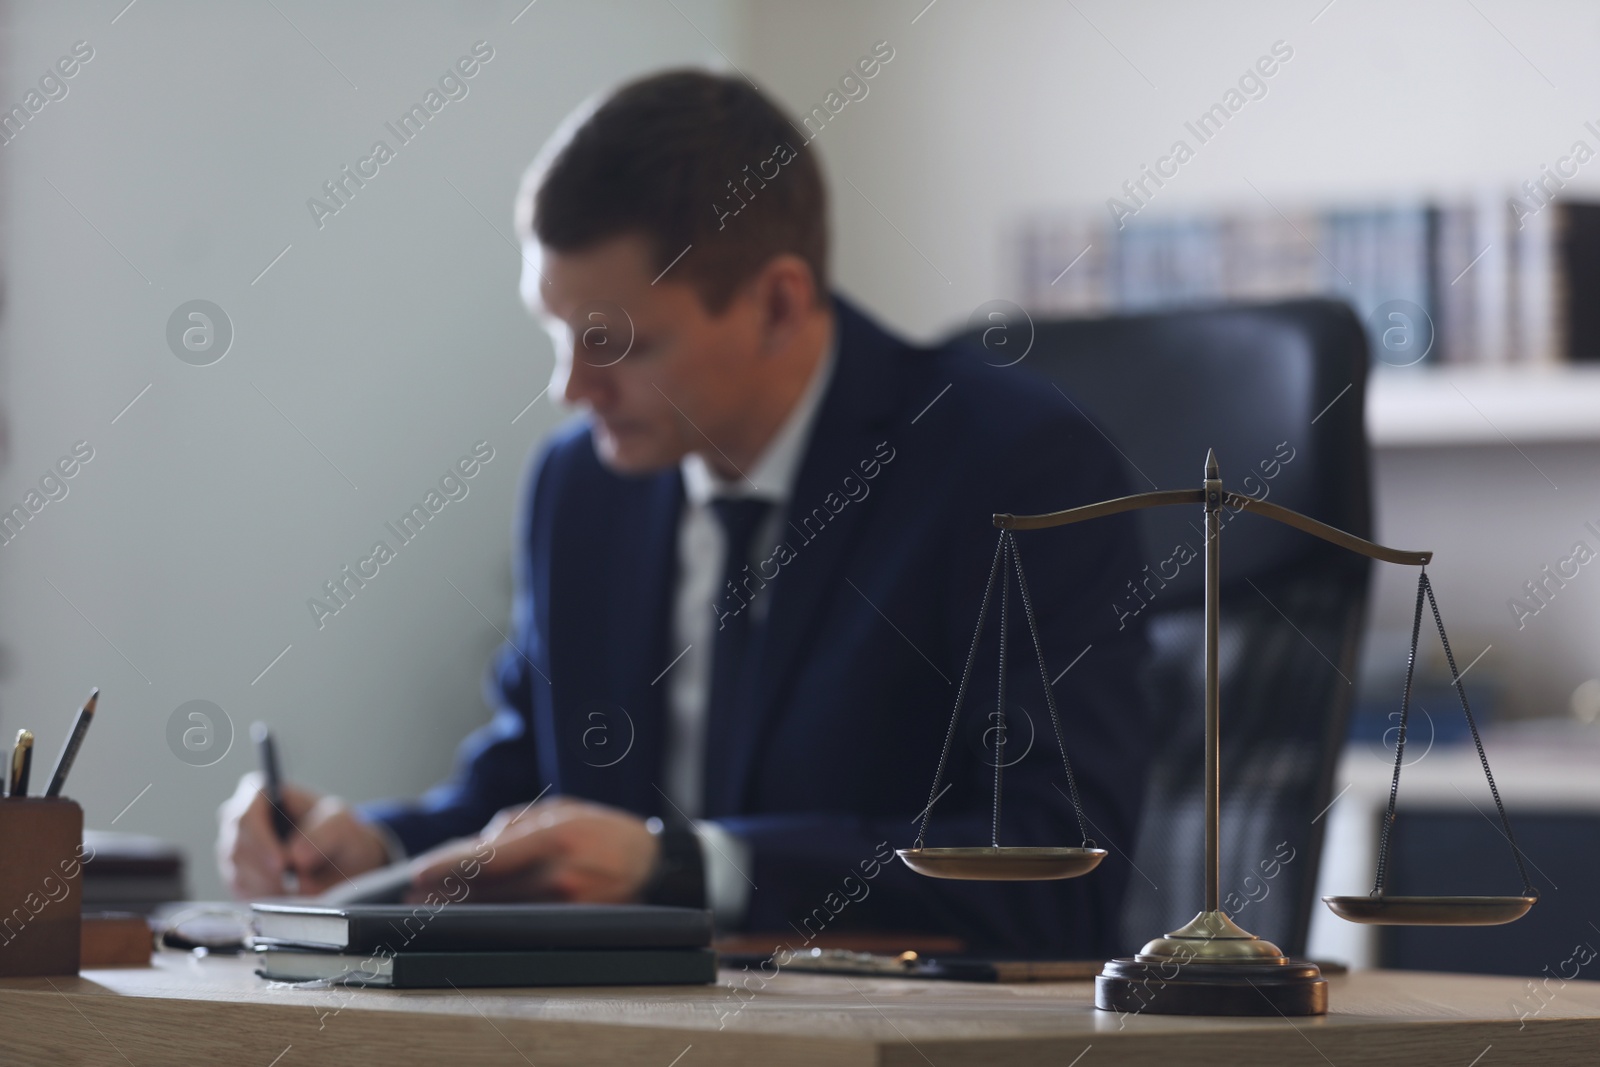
(214, 1011)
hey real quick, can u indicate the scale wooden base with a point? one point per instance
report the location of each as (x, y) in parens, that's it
(1211, 967)
(1290, 988)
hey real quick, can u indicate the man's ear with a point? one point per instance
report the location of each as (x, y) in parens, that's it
(786, 292)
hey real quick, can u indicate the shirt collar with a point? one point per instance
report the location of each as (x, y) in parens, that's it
(773, 474)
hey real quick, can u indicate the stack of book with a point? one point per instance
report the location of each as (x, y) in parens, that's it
(405, 946)
(1495, 280)
(129, 872)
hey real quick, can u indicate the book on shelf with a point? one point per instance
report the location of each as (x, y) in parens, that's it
(1462, 280)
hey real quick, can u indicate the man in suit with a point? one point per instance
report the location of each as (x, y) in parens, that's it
(747, 580)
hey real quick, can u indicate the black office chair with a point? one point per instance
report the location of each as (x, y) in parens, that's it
(1279, 392)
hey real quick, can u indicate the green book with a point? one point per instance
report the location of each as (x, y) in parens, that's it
(440, 970)
(401, 928)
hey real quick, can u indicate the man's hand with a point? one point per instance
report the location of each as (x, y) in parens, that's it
(558, 849)
(330, 842)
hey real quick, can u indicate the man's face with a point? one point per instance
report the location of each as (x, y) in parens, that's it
(662, 376)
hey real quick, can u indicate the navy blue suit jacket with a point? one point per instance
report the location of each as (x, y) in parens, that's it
(871, 617)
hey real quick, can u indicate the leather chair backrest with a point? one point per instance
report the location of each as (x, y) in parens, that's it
(1278, 391)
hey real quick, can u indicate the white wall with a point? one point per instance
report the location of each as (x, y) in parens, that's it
(180, 563)
(992, 112)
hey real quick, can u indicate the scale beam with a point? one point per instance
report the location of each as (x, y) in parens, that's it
(1101, 510)
(1382, 553)
(1167, 497)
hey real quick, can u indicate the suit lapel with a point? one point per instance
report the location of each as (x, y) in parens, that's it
(856, 410)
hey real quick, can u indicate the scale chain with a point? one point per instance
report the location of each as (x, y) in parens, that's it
(1000, 689)
(961, 693)
(1425, 588)
(1004, 550)
(1455, 679)
(1400, 739)
(1049, 695)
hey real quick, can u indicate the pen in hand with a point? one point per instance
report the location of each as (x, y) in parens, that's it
(272, 787)
(69, 751)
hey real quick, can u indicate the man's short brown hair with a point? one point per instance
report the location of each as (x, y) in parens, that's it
(689, 160)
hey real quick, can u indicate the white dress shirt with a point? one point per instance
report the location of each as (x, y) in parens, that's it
(701, 547)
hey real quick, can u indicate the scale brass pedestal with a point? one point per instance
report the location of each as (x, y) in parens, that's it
(1211, 966)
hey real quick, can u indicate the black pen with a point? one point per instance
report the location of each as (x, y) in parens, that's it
(21, 763)
(267, 754)
(69, 751)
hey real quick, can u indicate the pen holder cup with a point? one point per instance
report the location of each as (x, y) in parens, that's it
(41, 895)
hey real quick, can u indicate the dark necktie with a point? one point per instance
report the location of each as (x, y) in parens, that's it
(730, 636)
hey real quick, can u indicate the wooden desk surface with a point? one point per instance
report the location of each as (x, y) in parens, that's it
(215, 1011)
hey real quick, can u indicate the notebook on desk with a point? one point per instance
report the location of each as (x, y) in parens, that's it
(466, 927)
(418, 946)
(438, 970)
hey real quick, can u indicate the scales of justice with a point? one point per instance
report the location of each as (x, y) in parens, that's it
(1211, 966)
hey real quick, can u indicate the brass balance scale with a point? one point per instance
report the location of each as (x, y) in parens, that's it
(1211, 966)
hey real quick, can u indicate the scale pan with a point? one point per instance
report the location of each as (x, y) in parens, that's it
(991, 864)
(1430, 911)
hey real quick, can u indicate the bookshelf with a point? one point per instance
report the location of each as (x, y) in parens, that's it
(1484, 293)
(1467, 405)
